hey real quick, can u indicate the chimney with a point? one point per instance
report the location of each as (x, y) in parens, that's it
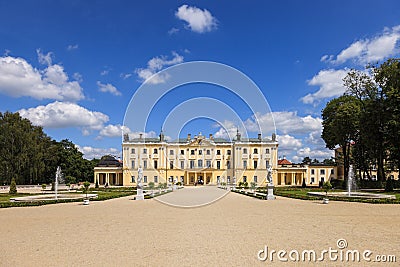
(259, 136)
(211, 137)
(273, 137)
(140, 136)
(189, 137)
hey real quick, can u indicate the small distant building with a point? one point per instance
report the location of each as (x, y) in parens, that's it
(109, 171)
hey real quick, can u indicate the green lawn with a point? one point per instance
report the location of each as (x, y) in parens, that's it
(103, 194)
(301, 193)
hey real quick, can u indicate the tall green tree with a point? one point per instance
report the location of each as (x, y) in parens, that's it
(340, 126)
(377, 91)
(22, 149)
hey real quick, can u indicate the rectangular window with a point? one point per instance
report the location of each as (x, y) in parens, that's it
(200, 152)
(171, 152)
(192, 164)
(192, 152)
(144, 164)
(156, 179)
(208, 162)
(267, 163)
(182, 152)
(218, 164)
(267, 151)
(145, 179)
(332, 171)
(144, 150)
(312, 171)
(155, 151)
(244, 179)
(182, 164)
(228, 179)
(255, 151)
(322, 172)
(228, 164)
(200, 163)
(312, 180)
(244, 150)
(208, 152)
(218, 152)
(255, 179)
(322, 179)
(255, 164)
(244, 164)
(228, 152)
(133, 179)
(171, 164)
(133, 164)
(155, 164)
(132, 151)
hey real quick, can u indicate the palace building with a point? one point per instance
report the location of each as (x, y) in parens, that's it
(205, 160)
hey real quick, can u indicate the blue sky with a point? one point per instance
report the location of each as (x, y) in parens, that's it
(73, 66)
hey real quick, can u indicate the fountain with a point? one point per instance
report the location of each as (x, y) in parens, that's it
(351, 183)
(351, 186)
(59, 179)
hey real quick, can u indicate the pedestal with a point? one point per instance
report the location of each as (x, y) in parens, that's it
(270, 192)
(139, 194)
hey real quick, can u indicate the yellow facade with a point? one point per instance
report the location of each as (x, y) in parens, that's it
(199, 160)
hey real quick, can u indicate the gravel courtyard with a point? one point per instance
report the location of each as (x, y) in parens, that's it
(228, 232)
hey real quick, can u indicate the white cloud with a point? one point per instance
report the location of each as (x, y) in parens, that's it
(156, 64)
(18, 78)
(45, 59)
(331, 85)
(93, 152)
(173, 31)
(369, 50)
(314, 153)
(78, 77)
(125, 75)
(288, 142)
(113, 130)
(108, 88)
(104, 72)
(64, 115)
(198, 20)
(72, 47)
(286, 122)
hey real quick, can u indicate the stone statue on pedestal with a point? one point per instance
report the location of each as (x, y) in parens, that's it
(139, 186)
(270, 185)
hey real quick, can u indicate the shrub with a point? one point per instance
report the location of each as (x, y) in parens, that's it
(13, 187)
(327, 186)
(369, 184)
(253, 185)
(245, 184)
(338, 184)
(85, 187)
(44, 186)
(151, 185)
(389, 185)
